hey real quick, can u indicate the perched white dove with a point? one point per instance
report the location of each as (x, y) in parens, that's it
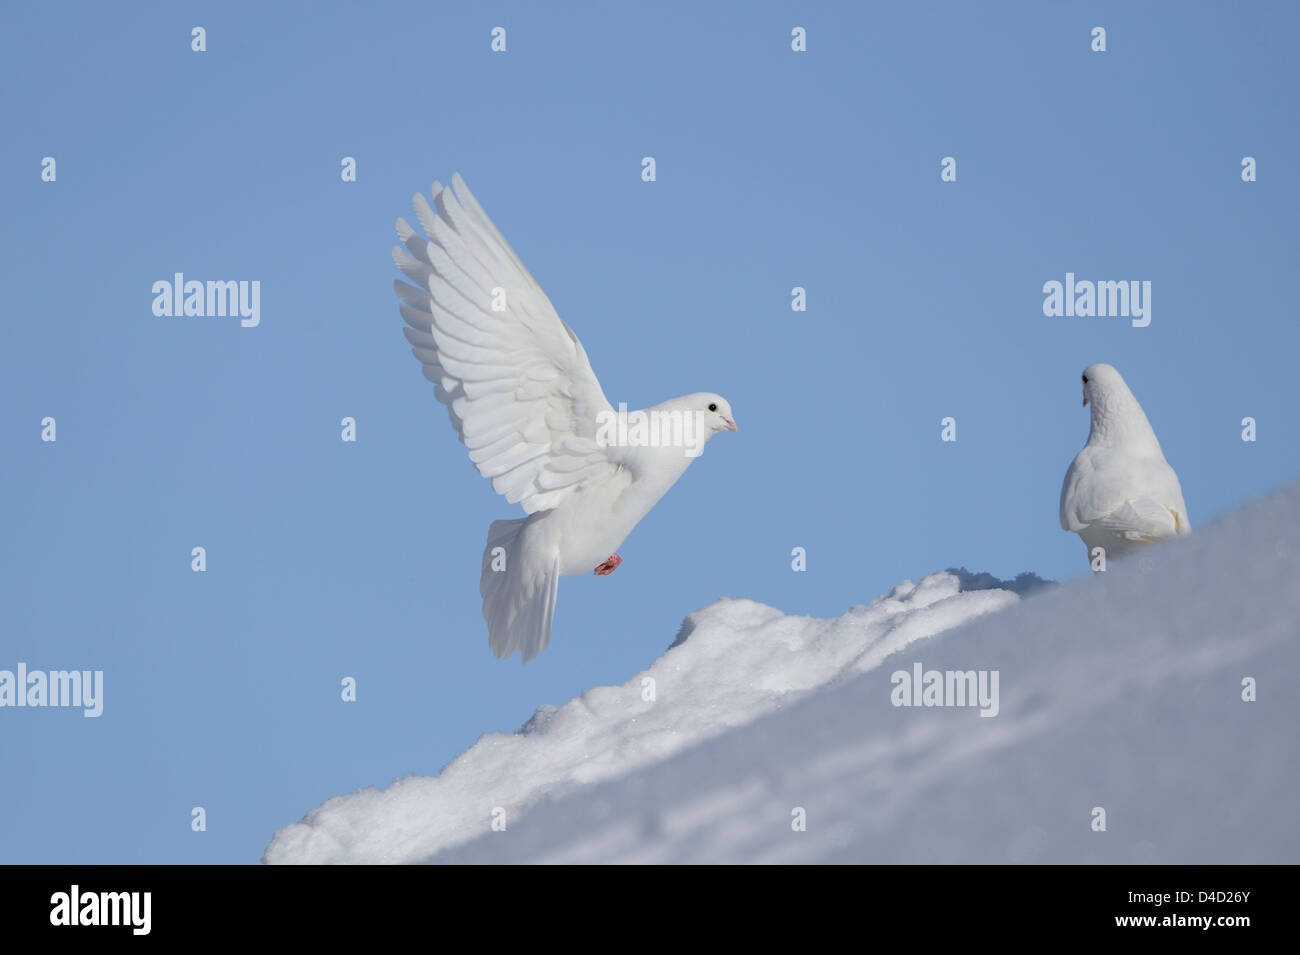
(524, 400)
(1120, 493)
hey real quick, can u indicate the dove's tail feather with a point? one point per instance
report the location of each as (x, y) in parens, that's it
(518, 594)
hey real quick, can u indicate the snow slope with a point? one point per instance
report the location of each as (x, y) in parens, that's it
(732, 662)
(1121, 692)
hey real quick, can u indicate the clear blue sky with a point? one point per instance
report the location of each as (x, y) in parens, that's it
(775, 169)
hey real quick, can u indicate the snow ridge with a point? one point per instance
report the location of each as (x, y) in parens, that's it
(732, 662)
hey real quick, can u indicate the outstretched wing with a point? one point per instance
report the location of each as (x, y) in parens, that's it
(514, 377)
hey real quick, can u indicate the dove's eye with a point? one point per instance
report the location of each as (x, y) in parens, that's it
(1085, 379)
(713, 407)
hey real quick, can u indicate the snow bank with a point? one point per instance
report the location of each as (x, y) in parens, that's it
(1120, 693)
(732, 663)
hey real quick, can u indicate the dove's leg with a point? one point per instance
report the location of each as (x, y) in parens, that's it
(609, 566)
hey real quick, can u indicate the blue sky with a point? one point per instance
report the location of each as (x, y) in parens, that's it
(775, 169)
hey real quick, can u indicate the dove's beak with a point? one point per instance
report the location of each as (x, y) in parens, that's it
(1085, 401)
(731, 425)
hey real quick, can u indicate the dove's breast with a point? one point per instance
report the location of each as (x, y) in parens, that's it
(593, 523)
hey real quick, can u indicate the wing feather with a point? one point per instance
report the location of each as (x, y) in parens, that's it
(516, 381)
(1135, 499)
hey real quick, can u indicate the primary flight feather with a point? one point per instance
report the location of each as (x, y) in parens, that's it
(523, 398)
(1119, 492)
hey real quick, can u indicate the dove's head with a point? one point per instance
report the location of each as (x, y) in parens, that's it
(715, 411)
(1101, 381)
(1117, 418)
(688, 422)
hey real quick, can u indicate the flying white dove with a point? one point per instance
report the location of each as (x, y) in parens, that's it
(1120, 493)
(524, 400)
